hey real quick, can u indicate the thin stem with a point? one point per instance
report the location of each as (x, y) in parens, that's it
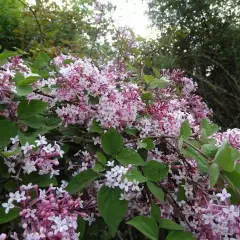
(153, 137)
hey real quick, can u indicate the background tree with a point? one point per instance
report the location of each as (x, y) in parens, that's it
(204, 37)
(75, 25)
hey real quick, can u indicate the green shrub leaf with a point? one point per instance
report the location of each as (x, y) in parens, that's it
(155, 171)
(111, 207)
(169, 224)
(81, 181)
(12, 214)
(128, 156)
(7, 130)
(146, 226)
(112, 142)
(156, 191)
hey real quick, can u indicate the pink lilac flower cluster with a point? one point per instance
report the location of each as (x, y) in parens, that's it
(8, 87)
(41, 157)
(232, 136)
(51, 214)
(80, 81)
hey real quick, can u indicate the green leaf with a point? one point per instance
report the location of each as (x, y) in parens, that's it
(148, 78)
(98, 167)
(41, 180)
(3, 106)
(181, 193)
(156, 191)
(159, 83)
(30, 108)
(81, 227)
(156, 72)
(176, 235)
(234, 177)
(224, 158)
(135, 174)
(18, 77)
(214, 173)
(11, 186)
(185, 130)
(180, 143)
(169, 224)
(193, 153)
(146, 226)
(155, 171)
(12, 214)
(24, 90)
(235, 154)
(112, 142)
(7, 130)
(81, 181)
(10, 154)
(111, 208)
(7, 54)
(128, 156)
(209, 127)
(132, 131)
(101, 158)
(96, 128)
(209, 150)
(24, 139)
(147, 96)
(147, 143)
(3, 169)
(67, 61)
(35, 122)
(155, 212)
(28, 80)
(42, 60)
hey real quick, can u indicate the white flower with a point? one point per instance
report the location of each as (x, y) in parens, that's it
(27, 187)
(58, 149)
(14, 140)
(30, 213)
(29, 167)
(110, 163)
(135, 186)
(8, 206)
(42, 193)
(20, 196)
(125, 196)
(232, 214)
(41, 141)
(27, 147)
(11, 166)
(224, 195)
(125, 185)
(90, 218)
(3, 236)
(14, 236)
(49, 148)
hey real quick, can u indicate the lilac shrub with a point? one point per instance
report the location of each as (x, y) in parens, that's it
(83, 144)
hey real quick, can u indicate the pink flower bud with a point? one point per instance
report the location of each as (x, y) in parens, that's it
(3, 236)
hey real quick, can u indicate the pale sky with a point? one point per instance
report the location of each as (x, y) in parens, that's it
(131, 13)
